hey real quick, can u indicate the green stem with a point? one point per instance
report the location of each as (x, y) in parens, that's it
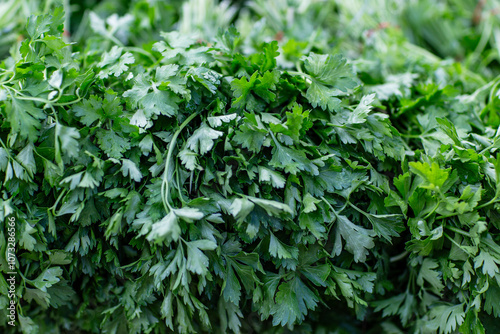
(457, 230)
(20, 96)
(178, 184)
(446, 216)
(67, 16)
(485, 37)
(300, 74)
(336, 125)
(433, 210)
(329, 205)
(493, 200)
(53, 207)
(141, 51)
(5, 74)
(453, 241)
(165, 184)
(399, 257)
(5, 148)
(357, 209)
(114, 40)
(419, 136)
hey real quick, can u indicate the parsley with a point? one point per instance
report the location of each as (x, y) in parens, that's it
(284, 174)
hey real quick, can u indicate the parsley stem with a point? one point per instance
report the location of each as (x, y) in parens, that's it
(53, 207)
(433, 210)
(447, 216)
(141, 51)
(5, 147)
(358, 209)
(178, 183)
(301, 74)
(336, 125)
(114, 39)
(165, 184)
(10, 79)
(299, 68)
(483, 41)
(398, 257)
(20, 96)
(419, 136)
(453, 241)
(457, 230)
(493, 200)
(329, 205)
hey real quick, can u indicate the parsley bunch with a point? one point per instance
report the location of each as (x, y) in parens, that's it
(238, 184)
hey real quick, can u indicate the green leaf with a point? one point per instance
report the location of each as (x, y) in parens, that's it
(114, 224)
(60, 257)
(488, 262)
(47, 278)
(262, 86)
(309, 203)
(273, 208)
(26, 240)
(89, 110)
(359, 114)
(169, 77)
(230, 315)
(145, 93)
(317, 274)
(251, 136)
(216, 121)
(189, 214)
(27, 159)
(129, 168)
(293, 300)
(433, 176)
(296, 125)
(197, 262)
(358, 240)
(202, 140)
(40, 297)
(472, 325)
(231, 288)
(61, 294)
(112, 144)
(267, 175)
(24, 118)
(241, 90)
(387, 226)
(331, 77)
(56, 79)
(114, 62)
(68, 139)
(167, 310)
(280, 250)
(446, 318)
(41, 24)
(430, 275)
(269, 56)
(27, 325)
(166, 228)
(241, 208)
(492, 296)
(189, 159)
(313, 223)
(292, 161)
(389, 306)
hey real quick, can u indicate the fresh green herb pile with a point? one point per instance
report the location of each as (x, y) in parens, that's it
(172, 173)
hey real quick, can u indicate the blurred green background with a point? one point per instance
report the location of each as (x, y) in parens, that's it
(467, 31)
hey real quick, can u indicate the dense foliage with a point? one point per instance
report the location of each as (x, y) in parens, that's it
(171, 172)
